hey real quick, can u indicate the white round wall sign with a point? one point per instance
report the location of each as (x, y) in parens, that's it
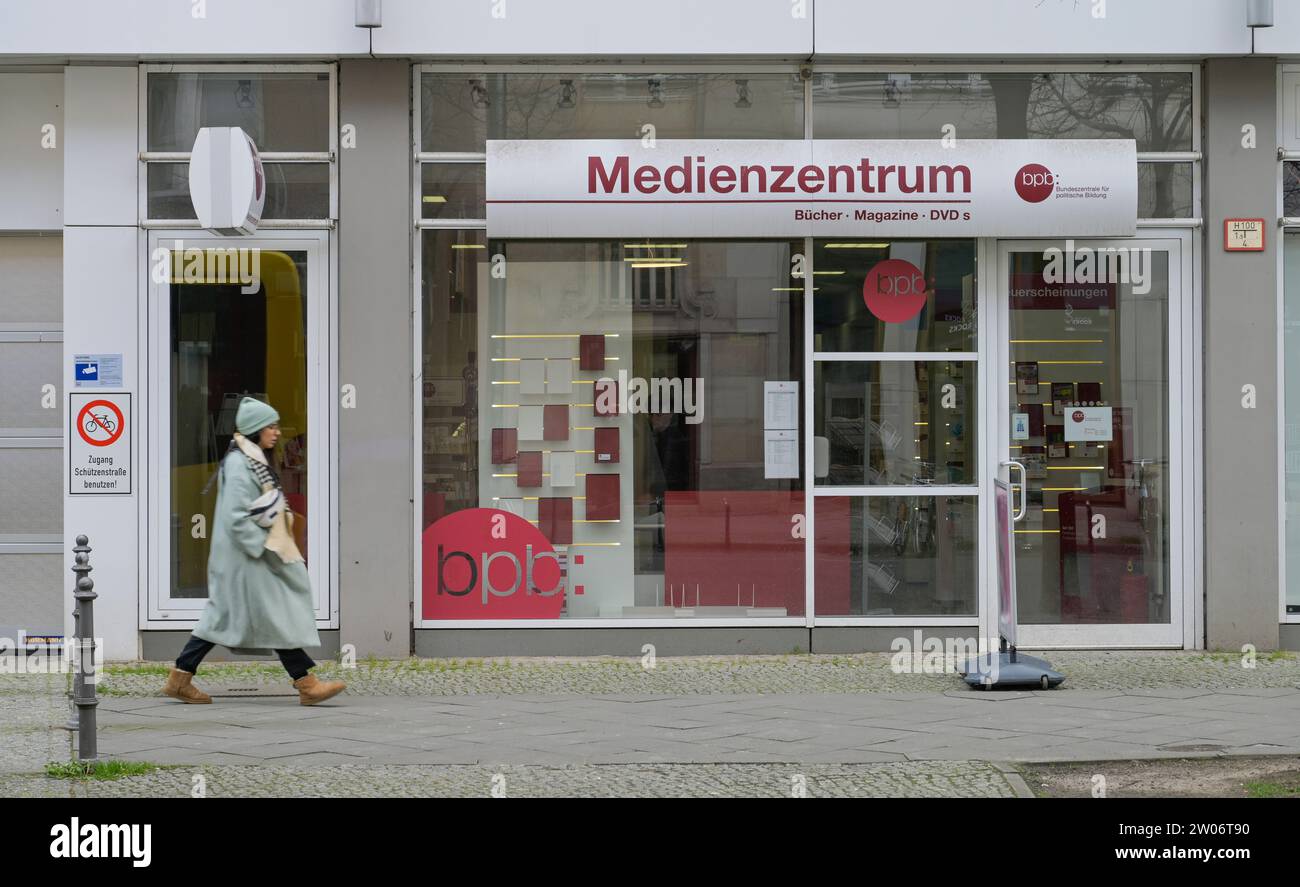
(227, 184)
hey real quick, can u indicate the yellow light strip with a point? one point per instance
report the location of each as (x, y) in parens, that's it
(658, 265)
(1064, 489)
(517, 359)
(1057, 341)
(469, 246)
(434, 198)
(856, 245)
(528, 498)
(655, 245)
(576, 521)
(830, 273)
(550, 335)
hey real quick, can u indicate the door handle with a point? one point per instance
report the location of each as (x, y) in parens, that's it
(1024, 489)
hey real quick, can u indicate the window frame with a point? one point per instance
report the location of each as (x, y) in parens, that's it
(986, 249)
(330, 157)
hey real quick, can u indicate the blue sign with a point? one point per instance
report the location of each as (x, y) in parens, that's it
(97, 371)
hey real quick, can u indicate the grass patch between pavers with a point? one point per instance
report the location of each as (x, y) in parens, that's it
(1272, 790)
(101, 770)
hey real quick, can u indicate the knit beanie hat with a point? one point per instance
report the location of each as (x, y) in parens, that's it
(253, 415)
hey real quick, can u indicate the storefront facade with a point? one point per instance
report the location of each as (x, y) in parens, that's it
(522, 418)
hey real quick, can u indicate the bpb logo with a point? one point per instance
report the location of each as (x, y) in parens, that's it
(895, 290)
(487, 563)
(1035, 183)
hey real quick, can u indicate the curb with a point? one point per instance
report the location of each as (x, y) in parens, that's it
(1014, 779)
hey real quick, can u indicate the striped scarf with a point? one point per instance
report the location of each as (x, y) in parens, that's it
(280, 537)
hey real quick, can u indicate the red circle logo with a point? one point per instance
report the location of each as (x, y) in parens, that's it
(1077, 415)
(895, 290)
(100, 423)
(1035, 183)
(487, 563)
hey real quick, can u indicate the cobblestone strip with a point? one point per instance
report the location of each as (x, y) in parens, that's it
(933, 779)
(859, 673)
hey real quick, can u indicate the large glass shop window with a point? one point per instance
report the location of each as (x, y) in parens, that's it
(895, 410)
(1291, 439)
(611, 429)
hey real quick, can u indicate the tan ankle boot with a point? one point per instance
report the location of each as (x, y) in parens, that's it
(311, 691)
(178, 686)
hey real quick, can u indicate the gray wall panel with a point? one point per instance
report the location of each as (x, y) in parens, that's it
(375, 439)
(1241, 471)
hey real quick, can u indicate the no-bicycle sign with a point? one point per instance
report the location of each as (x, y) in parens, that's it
(99, 444)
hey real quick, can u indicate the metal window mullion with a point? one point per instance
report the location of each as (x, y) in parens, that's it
(1169, 156)
(906, 490)
(894, 356)
(451, 156)
(265, 156)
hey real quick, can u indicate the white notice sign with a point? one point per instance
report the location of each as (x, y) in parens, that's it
(811, 187)
(780, 454)
(99, 444)
(1088, 423)
(781, 405)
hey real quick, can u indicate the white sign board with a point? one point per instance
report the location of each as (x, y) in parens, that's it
(227, 184)
(780, 454)
(781, 406)
(99, 444)
(1088, 423)
(812, 187)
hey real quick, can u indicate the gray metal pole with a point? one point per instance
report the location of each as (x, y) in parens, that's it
(70, 650)
(83, 691)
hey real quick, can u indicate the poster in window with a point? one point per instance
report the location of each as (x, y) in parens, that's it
(1035, 413)
(1062, 397)
(1027, 377)
(1035, 461)
(1056, 446)
(1090, 394)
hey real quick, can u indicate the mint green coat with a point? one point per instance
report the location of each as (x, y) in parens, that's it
(255, 599)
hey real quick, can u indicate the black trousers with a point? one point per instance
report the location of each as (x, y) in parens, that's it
(296, 662)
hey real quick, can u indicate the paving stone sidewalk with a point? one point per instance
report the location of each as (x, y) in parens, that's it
(700, 726)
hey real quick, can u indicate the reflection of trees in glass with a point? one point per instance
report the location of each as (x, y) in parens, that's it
(459, 112)
(1154, 109)
(1291, 189)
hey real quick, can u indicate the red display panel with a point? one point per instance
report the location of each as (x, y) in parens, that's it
(606, 449)
(505, 445)
(605, 392)
(602, 497)
(740, 547)
(591, 352)
(529, 468)
(555, 421)
(555, 519)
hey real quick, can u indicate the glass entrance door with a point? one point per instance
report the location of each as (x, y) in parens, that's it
(231, 318)
(1091, 387)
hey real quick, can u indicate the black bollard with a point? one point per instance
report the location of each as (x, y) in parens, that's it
(83, 692)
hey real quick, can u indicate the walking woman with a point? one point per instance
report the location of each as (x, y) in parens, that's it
(258, 591)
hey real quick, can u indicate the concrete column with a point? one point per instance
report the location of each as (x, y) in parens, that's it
(1241, 470)
(102, 313)
(375, 455)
